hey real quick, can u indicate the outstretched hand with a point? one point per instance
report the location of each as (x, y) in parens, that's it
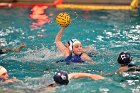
(22, 45)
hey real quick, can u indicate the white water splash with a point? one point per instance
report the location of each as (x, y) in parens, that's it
(38, 55)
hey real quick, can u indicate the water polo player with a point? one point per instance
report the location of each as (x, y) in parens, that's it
(4, 76)
(62, 78)
(124, 59)
(77, 55)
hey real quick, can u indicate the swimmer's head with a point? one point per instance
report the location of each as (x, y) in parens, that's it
(2, 70)
(124, 58)
(71, 43)
(61, 78)
(3, 73)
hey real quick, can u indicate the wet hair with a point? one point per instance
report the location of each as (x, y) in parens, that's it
(61, 78)
(124, 58)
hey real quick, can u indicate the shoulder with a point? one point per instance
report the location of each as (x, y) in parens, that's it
(123, 69)
(84, 55)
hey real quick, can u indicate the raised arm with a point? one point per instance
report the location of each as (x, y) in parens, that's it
(85, 75)
(59, 43)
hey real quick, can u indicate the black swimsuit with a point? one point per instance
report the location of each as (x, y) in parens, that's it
(133, 67)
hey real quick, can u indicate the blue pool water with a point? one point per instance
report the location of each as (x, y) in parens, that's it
(111, 32)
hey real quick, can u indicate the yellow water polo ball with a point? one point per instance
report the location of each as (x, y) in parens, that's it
(63, 19)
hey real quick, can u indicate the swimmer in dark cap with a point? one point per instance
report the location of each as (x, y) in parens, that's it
(124, 60)
(62, 78)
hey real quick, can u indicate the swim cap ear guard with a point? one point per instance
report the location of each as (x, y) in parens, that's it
(72, 42)
(124, 58)
(61, 78)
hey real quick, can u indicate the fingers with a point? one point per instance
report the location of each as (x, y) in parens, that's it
(23, 44)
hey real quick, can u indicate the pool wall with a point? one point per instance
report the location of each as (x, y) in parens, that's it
(122, 2)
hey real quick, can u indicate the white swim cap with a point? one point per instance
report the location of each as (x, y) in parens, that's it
(76, 42)
(72, 42)
(2, 70)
